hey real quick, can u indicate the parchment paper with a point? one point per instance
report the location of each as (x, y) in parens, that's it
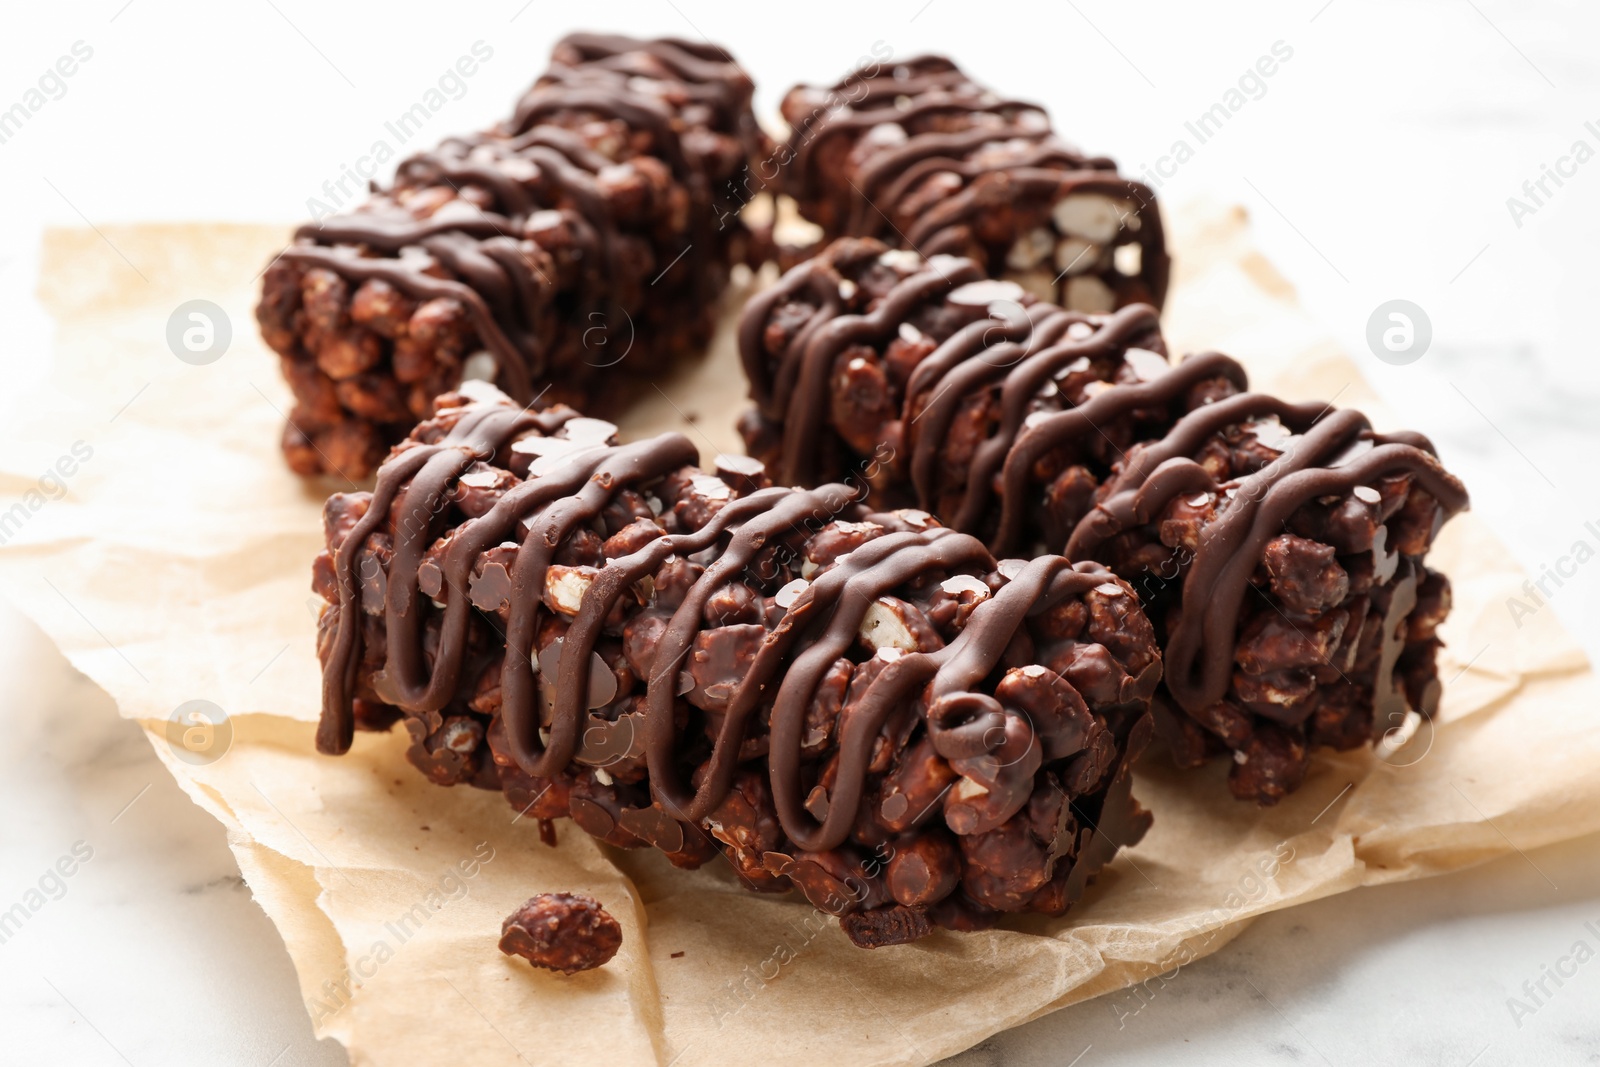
(176, 568)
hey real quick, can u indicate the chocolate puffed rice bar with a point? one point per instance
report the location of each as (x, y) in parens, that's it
(1278, 548)
(865, 706)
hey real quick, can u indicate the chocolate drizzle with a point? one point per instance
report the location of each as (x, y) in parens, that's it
(1333, 453)
(954, 669)
(504, 329)
(916, 88)
(1009, 340)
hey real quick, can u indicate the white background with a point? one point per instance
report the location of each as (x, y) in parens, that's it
(1377, 165)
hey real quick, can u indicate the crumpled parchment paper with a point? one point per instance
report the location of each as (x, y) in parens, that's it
(161, 543)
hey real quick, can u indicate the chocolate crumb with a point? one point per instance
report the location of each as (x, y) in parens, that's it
(566, 932)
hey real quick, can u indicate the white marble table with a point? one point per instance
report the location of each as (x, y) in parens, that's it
(1377, 164)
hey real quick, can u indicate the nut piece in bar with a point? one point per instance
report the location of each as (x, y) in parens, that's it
(565, 932)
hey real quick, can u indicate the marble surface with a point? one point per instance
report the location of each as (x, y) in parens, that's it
(1377, 164)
